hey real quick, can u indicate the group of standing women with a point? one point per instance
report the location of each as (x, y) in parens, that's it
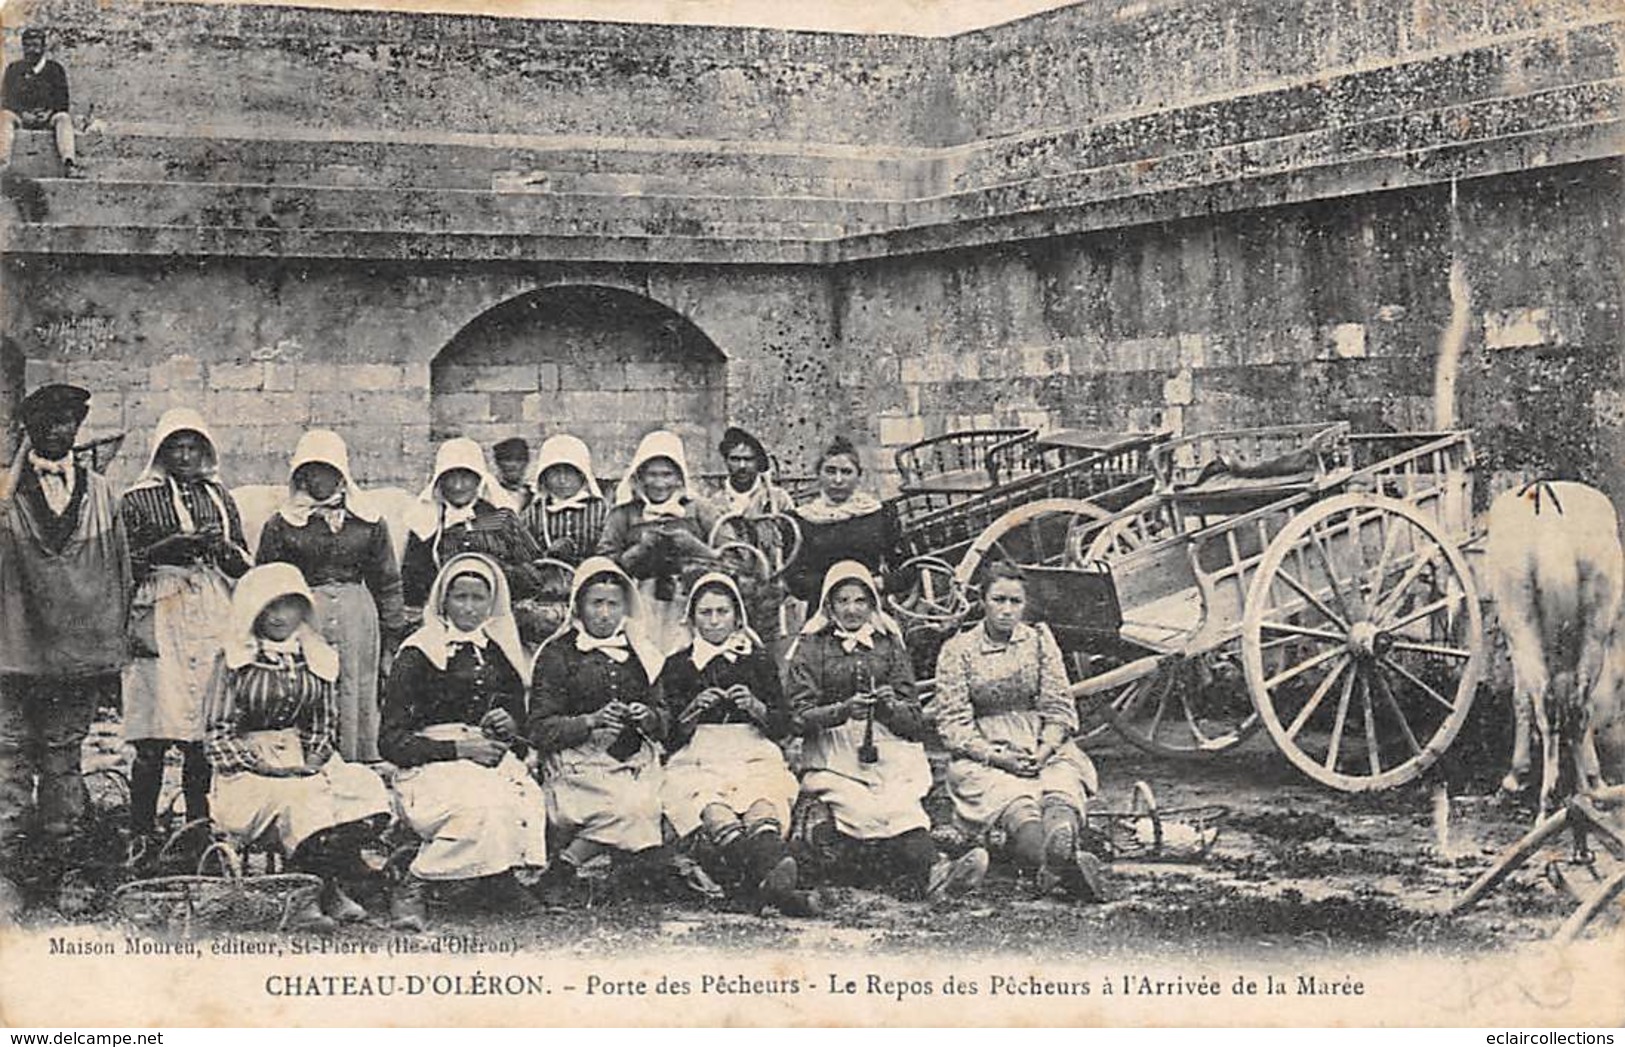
(649, 702)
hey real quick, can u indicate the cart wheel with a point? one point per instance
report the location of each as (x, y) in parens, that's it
(1189, 708)
(1051, 532)
(1374, 609)
(1134, 528)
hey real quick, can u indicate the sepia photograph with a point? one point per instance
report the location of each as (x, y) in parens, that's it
(526, 513)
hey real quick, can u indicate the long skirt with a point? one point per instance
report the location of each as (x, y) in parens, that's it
(594, 796)
(347, 618)
(190, 608)
(246, 805)
(732, 764)
(870, 801)
(474, 821)
(981, 793)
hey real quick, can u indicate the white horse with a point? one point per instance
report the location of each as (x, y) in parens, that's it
(1557, 571)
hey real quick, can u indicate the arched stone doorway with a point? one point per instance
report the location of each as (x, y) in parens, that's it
(605, 364)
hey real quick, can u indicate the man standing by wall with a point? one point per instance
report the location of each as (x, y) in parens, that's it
(64, 593)
(34, 96)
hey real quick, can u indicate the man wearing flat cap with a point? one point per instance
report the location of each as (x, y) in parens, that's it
(64, 592)
(34, 97)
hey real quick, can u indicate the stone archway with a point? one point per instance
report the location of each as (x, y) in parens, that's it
(603, 363)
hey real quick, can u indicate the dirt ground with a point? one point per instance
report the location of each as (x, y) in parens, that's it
(1295, 866)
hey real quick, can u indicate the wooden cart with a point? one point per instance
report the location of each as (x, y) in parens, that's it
(1301, 578)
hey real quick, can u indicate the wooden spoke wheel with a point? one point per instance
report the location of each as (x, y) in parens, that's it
(1375, 624)
(1188, 708)
(1051, 532)
(1136, 527)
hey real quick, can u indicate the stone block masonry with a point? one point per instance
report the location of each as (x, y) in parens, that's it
(1190, 215)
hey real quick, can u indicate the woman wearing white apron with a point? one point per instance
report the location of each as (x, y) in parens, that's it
(852, 690)
(596, 719)
(727, 789)
(271, 714)
(186, 545)
(341, 544)
(658, 532)
(453, 707)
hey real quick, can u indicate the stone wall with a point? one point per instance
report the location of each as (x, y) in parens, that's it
(1192, 214)
(266, 349)
(1327, 310)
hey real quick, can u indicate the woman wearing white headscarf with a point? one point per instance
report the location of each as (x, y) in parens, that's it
(596, 718)
(341, 544)
(186, 545)
(852, 689)
(271, 742)
(567, 516)
(465, 510)
(658, 532)
(727, 789)
(453, 710)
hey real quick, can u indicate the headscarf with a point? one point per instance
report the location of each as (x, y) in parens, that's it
(177, 420)
(565, 449)
(257, 590)
(861, 503)
(327, 448)
(429, 515)
(662, 443)
(186, 420)
(436, 636)
(743, 639)
(628, 637)
(879, 621)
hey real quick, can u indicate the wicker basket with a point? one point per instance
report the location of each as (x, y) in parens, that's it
(1151, 833)
(191, 903)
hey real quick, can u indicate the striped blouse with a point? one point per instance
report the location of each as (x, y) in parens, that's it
(570, 535)
(149, 517)
(273, 693)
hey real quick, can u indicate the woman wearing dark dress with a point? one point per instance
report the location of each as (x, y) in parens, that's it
(453, 711)
(658, 533)
(727, 789)
(186, 546)
(465, 510)
(596, 719)
(566, 519)
(852, 691)
(270, 740)
(840, 523)
(341, 545)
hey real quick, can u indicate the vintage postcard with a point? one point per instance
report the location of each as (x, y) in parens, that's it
(1018, 513)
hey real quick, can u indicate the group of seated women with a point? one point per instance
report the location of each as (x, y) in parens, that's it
(650, 725)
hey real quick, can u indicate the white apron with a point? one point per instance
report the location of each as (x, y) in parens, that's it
(246, 804)
(164, 696)
(870, 801)
(592, 795)
(474, 821)
(733, 764)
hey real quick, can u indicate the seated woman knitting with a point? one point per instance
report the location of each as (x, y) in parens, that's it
(453, 707)
(727, 790)
(852, 691)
